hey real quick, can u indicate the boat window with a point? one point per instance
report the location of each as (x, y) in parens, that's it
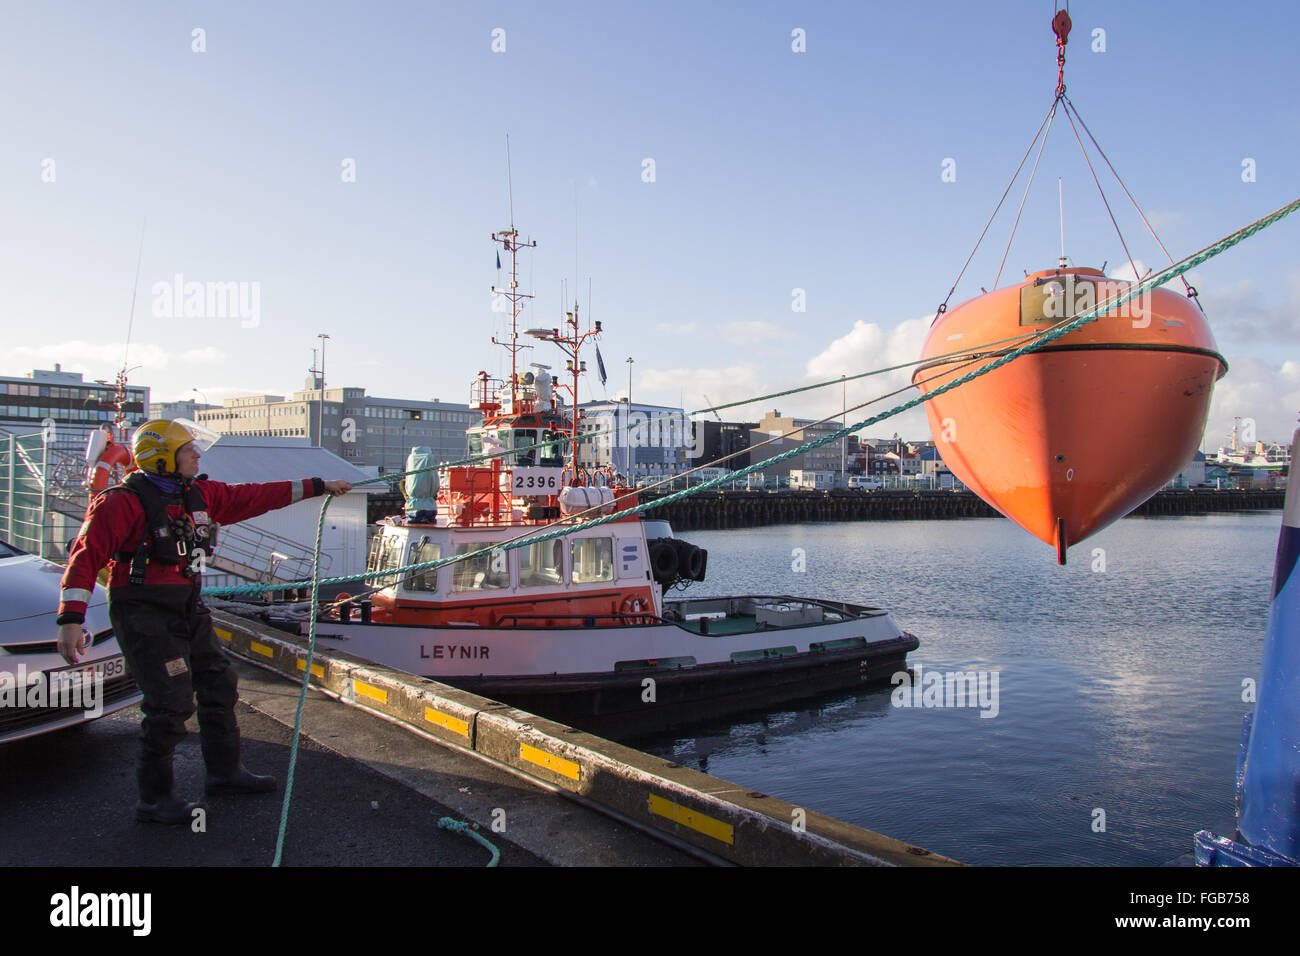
(475, 445)
(593, 560)
(552, 455)
(487, 571)
(505, 437)
(541, 564)
(426, 580)
(524, 438)
(385, 551)
(372, 559)
(392, 559)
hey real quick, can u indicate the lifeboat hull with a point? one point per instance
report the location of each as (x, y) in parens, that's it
(1065, 440)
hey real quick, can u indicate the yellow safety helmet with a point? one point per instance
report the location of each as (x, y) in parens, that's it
(156, 442)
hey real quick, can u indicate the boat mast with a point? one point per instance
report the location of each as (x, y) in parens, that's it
(570, 341)
(509, 239)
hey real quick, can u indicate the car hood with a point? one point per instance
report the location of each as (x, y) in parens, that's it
(30, 586)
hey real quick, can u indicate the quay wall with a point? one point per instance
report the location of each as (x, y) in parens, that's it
(750, 509)
(729, 822)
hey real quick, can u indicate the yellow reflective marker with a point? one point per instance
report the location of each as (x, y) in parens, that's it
(374, 693)
(454, 724)
(703, 823)
(316, 669)
(224, 634)
(565, 768)
(264, 649)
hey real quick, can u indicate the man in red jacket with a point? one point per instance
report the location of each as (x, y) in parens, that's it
(154, 533)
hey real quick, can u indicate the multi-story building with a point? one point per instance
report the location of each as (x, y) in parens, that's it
(829, 457)
(716, 440)
(651, 441)
(369, 431)
(75, 406)
(933, 466)
(183, 409)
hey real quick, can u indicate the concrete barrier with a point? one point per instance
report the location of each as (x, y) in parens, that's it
(722, 818)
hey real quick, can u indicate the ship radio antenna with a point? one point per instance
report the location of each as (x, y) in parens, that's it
(135, 288)
(119, 429)
(509, 240)
(1060, 195)
(510, 184)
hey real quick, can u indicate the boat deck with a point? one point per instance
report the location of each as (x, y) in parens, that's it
(722, 626)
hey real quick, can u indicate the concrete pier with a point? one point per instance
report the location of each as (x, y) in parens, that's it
(723, 820)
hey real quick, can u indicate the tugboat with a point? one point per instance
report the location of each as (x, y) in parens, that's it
(579, 627)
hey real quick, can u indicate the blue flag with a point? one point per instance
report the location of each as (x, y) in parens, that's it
(498, 262)
(600, 364)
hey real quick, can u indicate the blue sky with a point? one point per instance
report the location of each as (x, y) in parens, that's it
(774, 171)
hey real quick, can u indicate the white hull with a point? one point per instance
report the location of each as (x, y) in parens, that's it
(470, 651)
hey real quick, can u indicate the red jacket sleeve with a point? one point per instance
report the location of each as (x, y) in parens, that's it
(114, 522)
(230, 504)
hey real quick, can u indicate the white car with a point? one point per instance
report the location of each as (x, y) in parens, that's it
(39, 692)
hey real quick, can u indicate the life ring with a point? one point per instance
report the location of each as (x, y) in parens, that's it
(107, 456)
(632, 608)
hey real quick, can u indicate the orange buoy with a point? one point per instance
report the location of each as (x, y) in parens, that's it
(1067, 439)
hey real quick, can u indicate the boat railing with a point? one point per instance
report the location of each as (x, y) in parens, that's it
(745, 602)
(640, 618)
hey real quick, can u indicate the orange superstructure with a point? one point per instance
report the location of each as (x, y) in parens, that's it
(1069, 438)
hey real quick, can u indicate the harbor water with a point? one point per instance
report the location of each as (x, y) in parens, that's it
(1111, 733)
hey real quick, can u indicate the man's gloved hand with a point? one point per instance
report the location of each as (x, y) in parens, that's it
(72, 642)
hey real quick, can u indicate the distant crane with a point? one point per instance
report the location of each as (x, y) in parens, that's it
(714, 410)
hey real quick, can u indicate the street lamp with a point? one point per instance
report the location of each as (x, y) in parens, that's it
(630, 363)
(320, 419)
(844, 416)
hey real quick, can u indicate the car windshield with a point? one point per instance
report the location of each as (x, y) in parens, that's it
(9, 551)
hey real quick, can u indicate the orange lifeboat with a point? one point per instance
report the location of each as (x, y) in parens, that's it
(1067, 439)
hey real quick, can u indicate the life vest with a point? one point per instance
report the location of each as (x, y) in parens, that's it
(168, 540)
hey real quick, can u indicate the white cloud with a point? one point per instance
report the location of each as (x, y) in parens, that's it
(676, 328)
(1125, 271)
(103, 359)
(204, 356)
(1166, 218)
(1238, 313)
(210, 394)
(721, 385)
(865, 347)
(751, 333)
(1269, 394)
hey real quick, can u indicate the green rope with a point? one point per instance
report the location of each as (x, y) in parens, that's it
(470, 830)
(302, 691)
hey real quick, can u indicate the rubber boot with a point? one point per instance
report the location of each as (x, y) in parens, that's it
(226, 772)
(241, 781)
(158, 800)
